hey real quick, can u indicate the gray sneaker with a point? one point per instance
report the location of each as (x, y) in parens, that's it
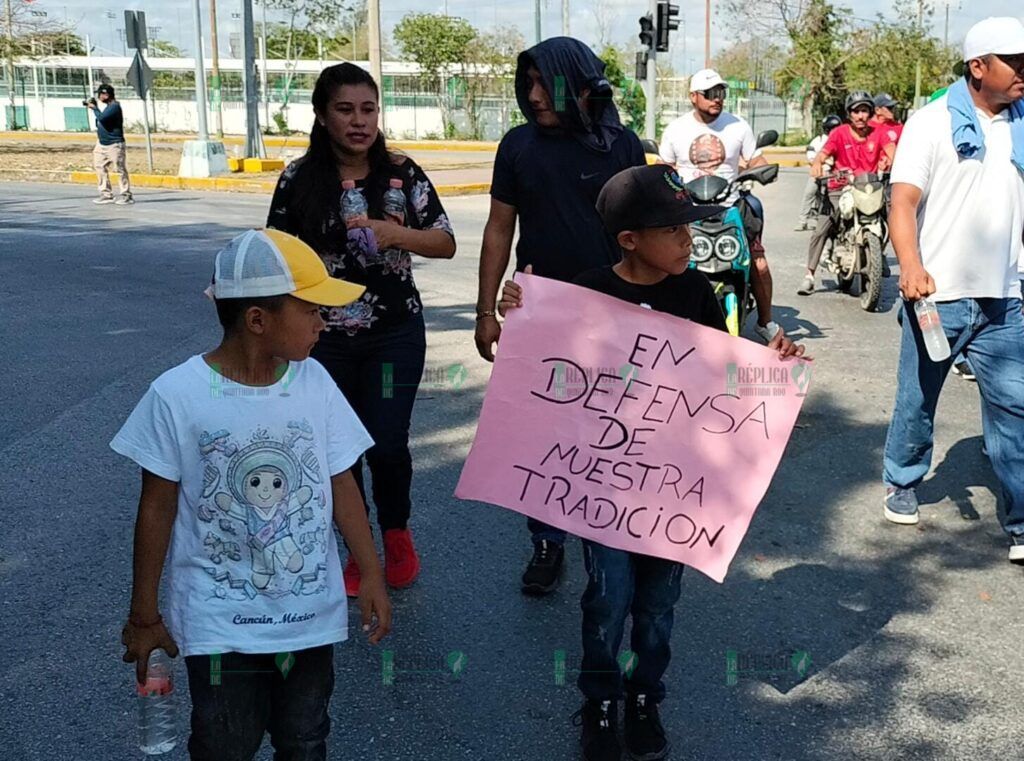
(125, 201)
(901, 507)
(806, 286)
(103, 199)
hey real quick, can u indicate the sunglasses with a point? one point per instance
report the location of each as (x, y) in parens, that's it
(715, 93)
(1015, 62)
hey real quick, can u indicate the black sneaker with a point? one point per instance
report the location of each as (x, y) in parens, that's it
(963, 369)
(541, 575)
(644, 734)
(599, 738)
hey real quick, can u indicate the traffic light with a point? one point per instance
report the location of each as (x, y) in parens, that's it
(667, 22)
(647, 30)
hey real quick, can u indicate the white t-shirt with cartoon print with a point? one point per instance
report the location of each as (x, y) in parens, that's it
(697, 149)
(253, 562)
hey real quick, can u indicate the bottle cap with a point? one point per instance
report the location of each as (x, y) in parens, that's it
(348, 184)
(395, 182)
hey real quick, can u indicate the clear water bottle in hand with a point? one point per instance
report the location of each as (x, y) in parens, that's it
(158, 731)
(394, 202)
(353, 202)
(934, 336)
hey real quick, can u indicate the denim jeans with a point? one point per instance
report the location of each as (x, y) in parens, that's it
(620, 583)
(990, 332)
(540, 530)
(379, 372)
(249, 696)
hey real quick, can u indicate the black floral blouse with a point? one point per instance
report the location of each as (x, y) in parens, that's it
(391, 296)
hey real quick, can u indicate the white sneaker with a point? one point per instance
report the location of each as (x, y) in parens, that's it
(767, 332)
(102, 199)
(1017, 549)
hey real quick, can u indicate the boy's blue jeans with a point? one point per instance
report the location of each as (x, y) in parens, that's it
(990, 332)
(621, 583)
(239, 697)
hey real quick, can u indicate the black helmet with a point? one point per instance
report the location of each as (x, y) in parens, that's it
(830, 122)
(859, 98)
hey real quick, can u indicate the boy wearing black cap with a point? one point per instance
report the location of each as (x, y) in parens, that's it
(648, 211)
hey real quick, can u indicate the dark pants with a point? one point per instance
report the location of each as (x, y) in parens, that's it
(379, 372)
(252, 697)
(828, 220)
(620, 583)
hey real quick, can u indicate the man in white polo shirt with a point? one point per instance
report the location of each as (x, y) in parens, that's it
(711, 141)
(957, 224)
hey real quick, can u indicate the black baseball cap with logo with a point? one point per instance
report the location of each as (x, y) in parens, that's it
(105, 88)
(643, 197)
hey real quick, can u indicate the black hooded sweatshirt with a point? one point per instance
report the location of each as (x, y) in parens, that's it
(553, 177)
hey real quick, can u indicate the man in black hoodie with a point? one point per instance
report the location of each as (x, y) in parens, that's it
(548, 174)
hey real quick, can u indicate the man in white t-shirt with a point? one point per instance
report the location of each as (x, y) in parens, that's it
(957, 224)
(709, 141)
(245, 455)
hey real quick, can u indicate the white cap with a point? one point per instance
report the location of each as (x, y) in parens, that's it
(705, 79)
(1002, 36)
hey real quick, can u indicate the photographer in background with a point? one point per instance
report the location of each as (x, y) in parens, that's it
(110, 149)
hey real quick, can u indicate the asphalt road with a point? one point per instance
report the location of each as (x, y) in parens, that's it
(910, 632)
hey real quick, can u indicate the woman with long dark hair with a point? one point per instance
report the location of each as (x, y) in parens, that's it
(374, 348)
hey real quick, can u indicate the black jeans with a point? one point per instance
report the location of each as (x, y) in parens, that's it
(237, 697)
(379, 372)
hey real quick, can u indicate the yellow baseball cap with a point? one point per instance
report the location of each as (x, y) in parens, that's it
(272, 263)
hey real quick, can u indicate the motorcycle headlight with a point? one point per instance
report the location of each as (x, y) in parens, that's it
(846, 205)
(703, 248)
(727, 248)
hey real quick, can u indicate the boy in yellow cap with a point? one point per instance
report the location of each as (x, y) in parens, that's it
(245, 455)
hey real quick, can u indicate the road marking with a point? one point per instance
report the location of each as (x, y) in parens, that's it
(122, 331)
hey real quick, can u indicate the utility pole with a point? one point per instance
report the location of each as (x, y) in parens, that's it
(707, 34)
(215, 71)
(10, 65)
(204, 131)
(565, 18)
(917, 68)
(263, 56)
(253, 140)
(536, 21)
(647, 56)
(373, 37)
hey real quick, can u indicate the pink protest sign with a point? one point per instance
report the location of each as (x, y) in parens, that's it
(630, 427)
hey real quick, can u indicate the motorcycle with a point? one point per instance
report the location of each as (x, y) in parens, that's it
(856, 246)
(721, 244)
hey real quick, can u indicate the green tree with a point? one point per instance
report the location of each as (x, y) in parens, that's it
(441, 46)
(750, 59)
(888, 55)
(308, 21)
(629, 94)
(490, 72)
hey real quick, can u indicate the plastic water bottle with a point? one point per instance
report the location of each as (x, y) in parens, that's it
(394, 202)
(934, 336)
(158, 731)
(353, 202)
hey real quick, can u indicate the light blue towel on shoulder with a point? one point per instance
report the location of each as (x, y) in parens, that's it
(968, 138)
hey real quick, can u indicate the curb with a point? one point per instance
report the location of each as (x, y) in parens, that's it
(223, 184)
(275, 141)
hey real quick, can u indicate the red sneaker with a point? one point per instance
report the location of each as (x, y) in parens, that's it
(401, 563)
(352, 577)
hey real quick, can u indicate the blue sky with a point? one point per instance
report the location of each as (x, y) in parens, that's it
(174, 19)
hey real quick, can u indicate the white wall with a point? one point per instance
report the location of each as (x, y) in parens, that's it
(47, 114)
